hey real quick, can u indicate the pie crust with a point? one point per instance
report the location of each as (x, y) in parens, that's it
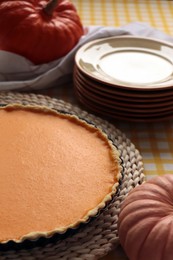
(56, 170)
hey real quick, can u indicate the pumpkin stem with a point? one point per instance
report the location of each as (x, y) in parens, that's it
(50, 7)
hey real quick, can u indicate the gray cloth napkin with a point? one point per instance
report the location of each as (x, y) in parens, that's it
(18, 73)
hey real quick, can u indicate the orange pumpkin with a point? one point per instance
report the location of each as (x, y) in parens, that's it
(146, 220)
(39, 30)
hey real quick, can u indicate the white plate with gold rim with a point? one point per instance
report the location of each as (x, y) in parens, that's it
(128, 61)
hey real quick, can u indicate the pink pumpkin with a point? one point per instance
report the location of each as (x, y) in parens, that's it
(146, 220)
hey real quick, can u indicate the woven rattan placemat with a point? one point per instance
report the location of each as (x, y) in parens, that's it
(99, 236)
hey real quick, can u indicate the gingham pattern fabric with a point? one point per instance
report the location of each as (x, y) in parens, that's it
(158, 13)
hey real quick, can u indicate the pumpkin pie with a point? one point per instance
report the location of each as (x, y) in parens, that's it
(56, 171)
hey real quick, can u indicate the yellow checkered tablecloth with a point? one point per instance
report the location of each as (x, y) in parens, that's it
(154, 140)
(158, 13)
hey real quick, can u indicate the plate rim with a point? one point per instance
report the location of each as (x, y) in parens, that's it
(165, 85)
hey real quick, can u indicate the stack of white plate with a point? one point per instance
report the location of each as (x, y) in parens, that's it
(126, 77)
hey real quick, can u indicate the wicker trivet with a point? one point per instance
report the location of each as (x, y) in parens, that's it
(98, 237)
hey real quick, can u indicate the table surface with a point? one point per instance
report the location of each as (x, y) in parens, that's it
(153, 140)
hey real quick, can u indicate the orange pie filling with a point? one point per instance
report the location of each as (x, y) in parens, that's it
(55, 172)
